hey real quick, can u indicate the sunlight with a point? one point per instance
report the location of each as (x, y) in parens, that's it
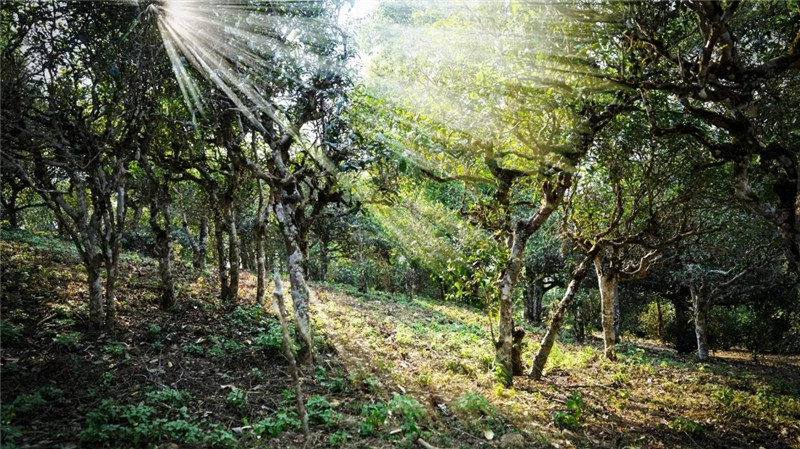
(233, 45)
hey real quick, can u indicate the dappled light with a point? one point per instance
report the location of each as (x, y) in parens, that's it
(399, 224)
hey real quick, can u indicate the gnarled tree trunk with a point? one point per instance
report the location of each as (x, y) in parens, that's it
(534, 293)
(222, 259)
(234, 259)
(163, 251)
(608, 283)
(299, 288)
(504, 347)
(700, 306)
(557, 321)
(96, 312)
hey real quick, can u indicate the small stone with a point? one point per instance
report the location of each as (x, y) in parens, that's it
(512, 441)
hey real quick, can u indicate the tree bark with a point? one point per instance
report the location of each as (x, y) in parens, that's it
(111, 294)
(580, 325)
(700, 306)
(163, 251)
(299, 287)
(96, 313)
(504, 347)
(608, 281)
(684, 343)
(660, 318)
(287, 350)
(199, 259)
(222, 263)
(534, 292)
(557, 320)
(235, 257)
(617, 315)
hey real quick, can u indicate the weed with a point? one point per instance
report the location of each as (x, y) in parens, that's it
(154, 330)
(231, 346)
(256, 373)
(28, 404)
(216, 351)
(474, 405)
(116, 349)
(411, 411)
(321, 412)
(374, 418)
(67, 342)
(688, 426)
(272, 341)
(619, 379)
(193, 349)
(274, 425)
(338, 439)
(571, 417)
(10, 332)
(724, 396)
(424, 380)
(237, 398)
(170, 396)
(141, 425)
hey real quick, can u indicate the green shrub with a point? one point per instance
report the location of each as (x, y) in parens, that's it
(237, 398)
(374, 418)
(9, 332)
(571, 417)
(193, 349)
(67, 342)
(321, 412)
(680, 424)
(338, 439)
(410, 410)
(274, 425)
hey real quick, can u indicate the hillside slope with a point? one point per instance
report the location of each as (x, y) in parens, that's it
(391, 370)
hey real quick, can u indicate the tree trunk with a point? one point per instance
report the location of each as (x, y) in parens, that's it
(10, 206)
(299, 287)
(222, 263)
(235, 258)
(199, 259)
(111, 294)
(301, 408)
(684, 343)
(261, 264)
(524, 229)
(164, 252)
(580, 326)
(700, 306)
(323, 261)
(96, 318)
(557, 320)
(244, 252)
(617, 315)
(660, 318)
(534, 292)
(607, 280)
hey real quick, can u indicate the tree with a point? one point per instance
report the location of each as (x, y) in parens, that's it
(653, 191)
(507, 125)
(80, 125)
(718, 72)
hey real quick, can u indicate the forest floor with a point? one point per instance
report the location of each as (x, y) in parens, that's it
(391, 370)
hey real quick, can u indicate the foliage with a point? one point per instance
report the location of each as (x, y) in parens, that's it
(571, 417)
(374, 417)
(163, 415)
(237, 398)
